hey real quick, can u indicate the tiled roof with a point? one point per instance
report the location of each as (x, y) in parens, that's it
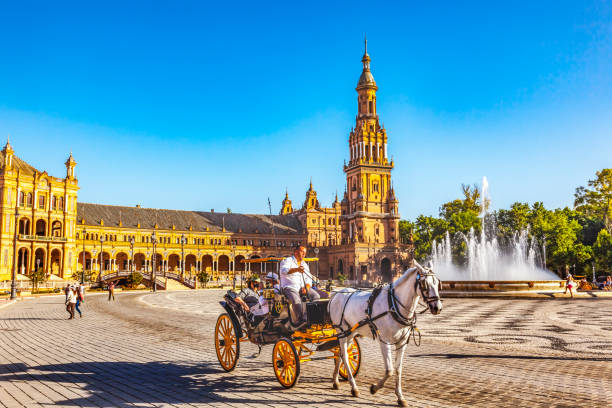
(182, 220)
(19, 164)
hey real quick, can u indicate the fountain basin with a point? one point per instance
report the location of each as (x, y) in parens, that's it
(496, 287)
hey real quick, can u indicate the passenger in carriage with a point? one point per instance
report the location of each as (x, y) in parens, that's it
(248, 297)
(296, 281)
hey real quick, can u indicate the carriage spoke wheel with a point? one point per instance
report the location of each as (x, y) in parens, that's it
(226, 342)
(354, 359)
(286, 362)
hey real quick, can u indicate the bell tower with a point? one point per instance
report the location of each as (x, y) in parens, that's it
(370, 207)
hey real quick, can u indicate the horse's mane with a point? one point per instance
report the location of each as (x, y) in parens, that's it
(405, 276)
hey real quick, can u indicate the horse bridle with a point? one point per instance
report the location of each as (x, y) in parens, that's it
(421, 283)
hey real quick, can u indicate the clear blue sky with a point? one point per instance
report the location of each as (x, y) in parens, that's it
(188, 105)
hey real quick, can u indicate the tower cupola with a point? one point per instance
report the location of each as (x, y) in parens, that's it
(286, 207)
(70, 164)
(9, 154)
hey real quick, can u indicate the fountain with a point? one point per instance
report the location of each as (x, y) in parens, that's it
(491, 266)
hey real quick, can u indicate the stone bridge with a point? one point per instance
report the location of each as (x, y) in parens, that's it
(160, 278)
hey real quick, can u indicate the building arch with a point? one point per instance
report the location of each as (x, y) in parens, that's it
(121, 260)
(23, 261)
(190, 263)
(207, 263)
(238, 265)
(41, 227)
(385, 270)
(139, 261)
(56, 262)
(39, 259)
(56, 229)
(87, 260)
(223, 263)
(174, 263)
(24, 226)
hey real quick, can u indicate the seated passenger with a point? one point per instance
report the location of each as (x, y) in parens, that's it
(296, 281)
(248, 297)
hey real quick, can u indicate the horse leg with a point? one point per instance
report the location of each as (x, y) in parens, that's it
(336, 384)
(344, 355)
(385, 350)
(399, 357)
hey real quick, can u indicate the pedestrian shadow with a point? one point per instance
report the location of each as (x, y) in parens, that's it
(119, 384)
(513, 357)
(29, 319)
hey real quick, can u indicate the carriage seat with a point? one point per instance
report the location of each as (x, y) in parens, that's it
(316, 312)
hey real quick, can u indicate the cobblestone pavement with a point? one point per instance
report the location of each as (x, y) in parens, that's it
(156, 350)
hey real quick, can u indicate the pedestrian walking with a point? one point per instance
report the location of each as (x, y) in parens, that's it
(71, 302)
(80, 298)
(66, 292)
(111, 291)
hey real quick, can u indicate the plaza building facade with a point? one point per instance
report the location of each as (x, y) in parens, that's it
(44, 227)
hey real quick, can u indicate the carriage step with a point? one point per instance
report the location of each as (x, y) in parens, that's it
(328, 345)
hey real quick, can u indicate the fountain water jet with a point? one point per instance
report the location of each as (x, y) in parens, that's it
(489, 261)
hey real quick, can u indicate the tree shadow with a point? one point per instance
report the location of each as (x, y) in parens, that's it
(513, 357)
(119, 384)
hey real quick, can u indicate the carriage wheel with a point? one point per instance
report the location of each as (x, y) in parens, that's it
(354, 359)
(226, 342)
(286, 362)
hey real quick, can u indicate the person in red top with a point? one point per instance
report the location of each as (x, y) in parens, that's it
(111, 291)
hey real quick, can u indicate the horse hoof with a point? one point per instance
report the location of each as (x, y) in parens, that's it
(373, 389)
(355, 393)
(335, 386)
(402, 403)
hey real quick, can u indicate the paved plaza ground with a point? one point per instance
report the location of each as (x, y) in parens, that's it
(149, 349)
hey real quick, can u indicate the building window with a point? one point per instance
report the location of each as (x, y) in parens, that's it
(41, 202)
(21, 199)
(29, 200)
(54, 203)
(375, 187)
(60, 203)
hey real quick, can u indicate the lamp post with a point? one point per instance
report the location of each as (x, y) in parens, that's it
(316, 251)
(154, 241)
(102, 239)
(183, 242)
(132, 254)
(14, 271)
(83, 274)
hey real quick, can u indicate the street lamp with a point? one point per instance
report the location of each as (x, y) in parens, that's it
(316, 251)
(183, 242)
(83, 274)
(14, 272)
(154, 241)
(102, 239)
(132, 254)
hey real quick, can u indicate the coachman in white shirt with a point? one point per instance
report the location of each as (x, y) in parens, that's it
(296, 281)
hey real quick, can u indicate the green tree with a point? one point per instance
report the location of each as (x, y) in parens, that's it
(37, 277)
(203, 277)
(596, 199)
(134, 279)
(602, 251)
(424, 231)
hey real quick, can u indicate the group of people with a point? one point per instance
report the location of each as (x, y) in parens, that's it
(75, 295)
(607, 284)
(296, 283)
(571, 283)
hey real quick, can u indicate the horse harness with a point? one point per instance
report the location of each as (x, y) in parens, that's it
(393, 310)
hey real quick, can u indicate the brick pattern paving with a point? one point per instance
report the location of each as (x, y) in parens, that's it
(156, 350)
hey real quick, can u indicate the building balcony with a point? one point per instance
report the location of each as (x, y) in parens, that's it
(43, 238)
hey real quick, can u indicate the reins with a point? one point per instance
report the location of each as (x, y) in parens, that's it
(395, 306)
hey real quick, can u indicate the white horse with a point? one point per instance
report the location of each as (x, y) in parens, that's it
(393, 315)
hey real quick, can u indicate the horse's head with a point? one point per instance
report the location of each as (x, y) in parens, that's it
(429, 286)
